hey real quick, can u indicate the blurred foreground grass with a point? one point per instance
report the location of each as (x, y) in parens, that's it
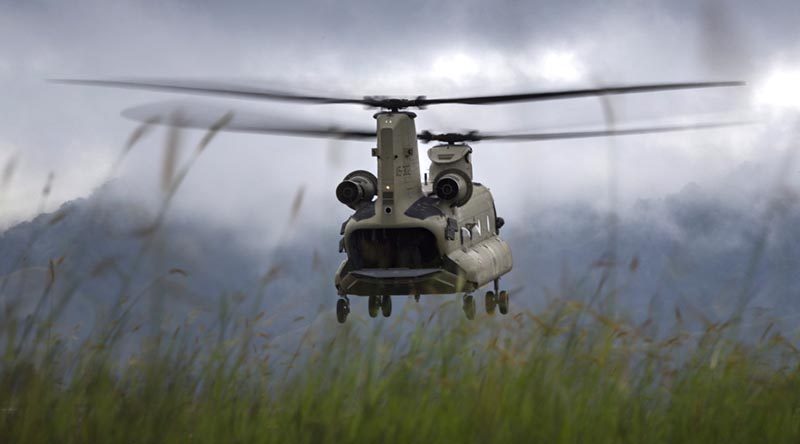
(567, 374)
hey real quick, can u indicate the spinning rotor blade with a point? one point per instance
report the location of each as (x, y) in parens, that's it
(474, 136)
(251, 92)
(603, 133)
(573, 93)
(209, 87)
(187, 115)
(204, 116)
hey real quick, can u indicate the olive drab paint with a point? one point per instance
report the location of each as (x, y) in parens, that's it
(398, 163)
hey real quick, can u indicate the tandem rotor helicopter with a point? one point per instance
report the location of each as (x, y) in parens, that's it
(407, 235)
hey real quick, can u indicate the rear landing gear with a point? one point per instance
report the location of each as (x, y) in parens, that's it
(501, 298)
(491, 302)
(469, 306)
(496, 299)
(502, 302)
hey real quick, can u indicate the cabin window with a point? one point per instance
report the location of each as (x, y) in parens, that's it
(465, 234)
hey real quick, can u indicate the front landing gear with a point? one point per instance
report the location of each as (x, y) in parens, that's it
(342, 309)
(386, 306)
(381, 304)
(373, 306)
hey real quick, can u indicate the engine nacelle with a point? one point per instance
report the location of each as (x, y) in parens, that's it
(454, 186)
(357, 188)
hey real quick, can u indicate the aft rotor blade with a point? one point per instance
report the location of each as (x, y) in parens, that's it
(574, 93)
(605, 133)
(187, 115)
(211, 88)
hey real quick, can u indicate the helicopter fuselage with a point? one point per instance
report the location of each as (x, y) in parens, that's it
(414, 237)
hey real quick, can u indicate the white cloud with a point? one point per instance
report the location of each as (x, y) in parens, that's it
(560, 67)
(780, 89)
(456, 67)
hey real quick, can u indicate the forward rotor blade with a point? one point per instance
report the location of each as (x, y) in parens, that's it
(251, 92)
(187, 115)
(574, 93)
(605, 133)
(209, 87)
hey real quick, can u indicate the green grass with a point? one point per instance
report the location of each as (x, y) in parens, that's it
(564, 375)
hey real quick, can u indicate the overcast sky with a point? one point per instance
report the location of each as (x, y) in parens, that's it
(383, 47)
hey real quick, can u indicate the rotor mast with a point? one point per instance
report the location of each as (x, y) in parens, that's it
(399, 183)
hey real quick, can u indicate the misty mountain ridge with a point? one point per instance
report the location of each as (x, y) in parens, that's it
(692, 250)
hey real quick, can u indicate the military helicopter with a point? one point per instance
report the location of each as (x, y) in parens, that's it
(408, 235)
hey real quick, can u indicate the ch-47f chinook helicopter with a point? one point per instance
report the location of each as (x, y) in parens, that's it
(407, 235)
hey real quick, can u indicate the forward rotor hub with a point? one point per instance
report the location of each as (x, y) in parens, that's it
(394, 103)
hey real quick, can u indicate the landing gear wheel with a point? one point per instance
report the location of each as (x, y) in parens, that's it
(374, 305)
(386, 306)
(502, 302)
(469, 306)
(491, 302)
(342, 310)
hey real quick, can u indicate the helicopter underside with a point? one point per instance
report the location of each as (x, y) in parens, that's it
(403, 281)
(461, 271)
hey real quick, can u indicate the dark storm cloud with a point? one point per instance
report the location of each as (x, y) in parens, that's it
(386, 30)
(391, 34)
(410, 47)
